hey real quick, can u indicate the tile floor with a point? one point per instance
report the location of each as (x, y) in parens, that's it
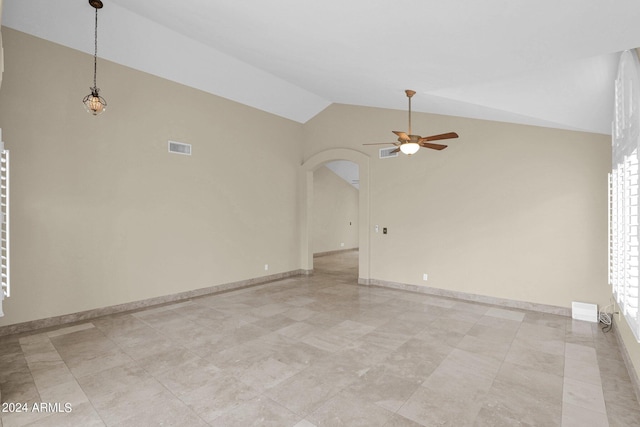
(319, 351)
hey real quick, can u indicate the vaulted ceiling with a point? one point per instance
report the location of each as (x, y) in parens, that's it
(545, 63)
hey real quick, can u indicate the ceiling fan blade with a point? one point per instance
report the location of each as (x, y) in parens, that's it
(439, 137)
(382, 143)
(433, 146)
(402, 135)
(394, 151)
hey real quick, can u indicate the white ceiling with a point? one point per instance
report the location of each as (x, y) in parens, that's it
(547, 63)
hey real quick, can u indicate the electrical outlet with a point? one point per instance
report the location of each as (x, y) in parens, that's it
(342, 245)
(617, 315)
(425, 276)
(266, 267)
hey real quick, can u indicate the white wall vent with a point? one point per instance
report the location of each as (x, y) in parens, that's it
(386, 153)
(584, 311)
(179, 148)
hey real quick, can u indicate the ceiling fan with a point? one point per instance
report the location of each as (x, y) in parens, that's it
(409, 144)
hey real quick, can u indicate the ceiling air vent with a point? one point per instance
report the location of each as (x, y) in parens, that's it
(386, 153)
(179, 148)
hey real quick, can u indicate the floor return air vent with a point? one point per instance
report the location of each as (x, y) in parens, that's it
(584, 311)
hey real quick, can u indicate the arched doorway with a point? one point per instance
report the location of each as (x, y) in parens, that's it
(306, 207)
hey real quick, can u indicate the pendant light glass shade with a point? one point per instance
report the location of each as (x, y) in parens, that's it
(94, 103)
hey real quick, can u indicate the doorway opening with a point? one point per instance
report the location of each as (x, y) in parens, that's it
(307, 207)
(334, 232)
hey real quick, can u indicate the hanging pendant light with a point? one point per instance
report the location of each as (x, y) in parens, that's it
(94, 103)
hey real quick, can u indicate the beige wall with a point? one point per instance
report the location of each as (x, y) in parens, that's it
(103, 215)
(335, 212)
(507, 211)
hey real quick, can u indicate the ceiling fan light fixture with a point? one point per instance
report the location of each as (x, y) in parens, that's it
(410, 144)
(409, 148)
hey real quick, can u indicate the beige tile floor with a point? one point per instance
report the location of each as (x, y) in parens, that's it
(320, 351)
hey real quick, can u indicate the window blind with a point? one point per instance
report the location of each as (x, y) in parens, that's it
(624, 238)
(4, 224)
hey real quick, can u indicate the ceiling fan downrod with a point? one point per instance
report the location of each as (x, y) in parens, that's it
(410, 93)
